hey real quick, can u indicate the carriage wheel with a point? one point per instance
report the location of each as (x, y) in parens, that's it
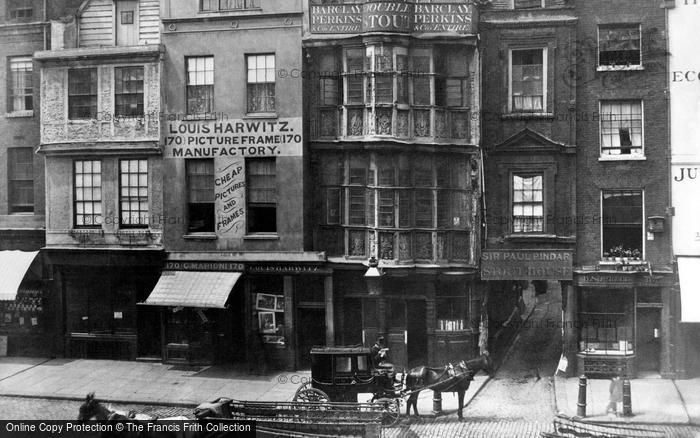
(302, 387)
(391, 411)
(311, 395)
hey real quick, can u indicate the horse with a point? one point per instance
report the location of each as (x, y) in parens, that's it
(451, 378)
(91, 409)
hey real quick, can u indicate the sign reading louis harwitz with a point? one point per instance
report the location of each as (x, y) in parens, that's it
(233, 138)
(391, 16)
(527, 264)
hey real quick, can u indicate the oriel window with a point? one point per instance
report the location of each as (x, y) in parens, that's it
(261, 83)
(88, 193)
(128, 91)
(82, 93)
(21, 84)
(200, 85)
(200, 195)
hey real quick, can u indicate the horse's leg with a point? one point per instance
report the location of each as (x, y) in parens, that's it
(460, 399)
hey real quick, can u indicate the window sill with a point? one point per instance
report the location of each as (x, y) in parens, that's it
(200, 236)
(260, 116)
(606, 353)
(626, 157)
(262, 236)
(531, 236)
(620, 68)
(19, 114)
(526, 116)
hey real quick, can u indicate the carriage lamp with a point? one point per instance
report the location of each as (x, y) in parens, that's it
(655, 224)
(374, 277)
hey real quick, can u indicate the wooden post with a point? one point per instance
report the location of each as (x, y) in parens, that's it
(437, 403)
(330, 317)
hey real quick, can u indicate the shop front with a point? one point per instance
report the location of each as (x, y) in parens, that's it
(426, 318)
(624, 323)
(265, 315)
(26, 314)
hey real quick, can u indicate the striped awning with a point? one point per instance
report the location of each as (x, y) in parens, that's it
(208, 290)
(13, 267)
(689, 277)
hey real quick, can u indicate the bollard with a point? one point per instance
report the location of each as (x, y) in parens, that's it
(437, 403)
(581, 405)
(626, 398)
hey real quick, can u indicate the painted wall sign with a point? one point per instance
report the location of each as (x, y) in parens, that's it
(229, 197)
(391, 16)
(526, 264)
(233, 138)
(607, 279)
(204, 266)
(284, 269)
(686, 227)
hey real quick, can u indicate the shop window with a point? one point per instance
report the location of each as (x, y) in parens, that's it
(20, 10)
(82, 93)
(133, 193)
(268, 312)
(99, 308)
(528, 4)
(619, 45)
(262, 195)
(128, 91)
(88, 193)
(20, 180)
(200, 195)
(200, 85)
(607, 322)
(621, 128)
(528, 80)
(623, 224)
(26, 312)
(261, 83)
(452, 313)
(528, 203)
(21, 84)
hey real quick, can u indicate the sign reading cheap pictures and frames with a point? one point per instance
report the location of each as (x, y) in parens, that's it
(390, 16)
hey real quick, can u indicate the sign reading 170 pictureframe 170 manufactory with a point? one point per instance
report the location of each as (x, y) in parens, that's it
(391, 16)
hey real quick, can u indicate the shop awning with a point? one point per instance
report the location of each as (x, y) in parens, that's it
(208, 290)
(689, 276)
(13, 267)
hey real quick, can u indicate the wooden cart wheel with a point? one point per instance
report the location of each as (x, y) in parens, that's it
(311, 395)
(391, 411)
(302, 387)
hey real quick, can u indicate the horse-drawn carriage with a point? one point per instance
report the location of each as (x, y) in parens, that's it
(341, 374)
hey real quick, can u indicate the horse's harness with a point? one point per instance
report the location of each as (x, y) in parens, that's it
(450, 370)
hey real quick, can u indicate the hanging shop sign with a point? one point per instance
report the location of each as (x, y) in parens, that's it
(527, 264)
(391, 16)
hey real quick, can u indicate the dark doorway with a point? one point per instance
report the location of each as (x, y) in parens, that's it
(416, 332)
(311, 329)
(648, 339)
(352, 321)
(229, 330)
(149, 335)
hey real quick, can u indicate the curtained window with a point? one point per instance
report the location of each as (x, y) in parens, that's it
(527, 80)
(621, 124)
(261, 83)
(620, 45)
(200, 85)
(200, 195)
(21, 84)
(528, 204)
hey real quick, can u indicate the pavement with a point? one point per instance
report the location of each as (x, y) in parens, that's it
(654, 400)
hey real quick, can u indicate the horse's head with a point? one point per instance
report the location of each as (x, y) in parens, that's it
(91, 409)
(483, 362)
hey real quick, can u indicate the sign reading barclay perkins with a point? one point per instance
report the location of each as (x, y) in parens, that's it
(527, 264)
(391, 16)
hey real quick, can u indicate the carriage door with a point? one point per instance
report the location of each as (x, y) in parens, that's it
(127, 26)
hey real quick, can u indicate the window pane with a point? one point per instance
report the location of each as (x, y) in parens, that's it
(261, 195)
(619, 45)
(527, 80)
(134, 193)
(88, 193)
(200, 195)
(528, 205)
(200, 85)
(82, 93)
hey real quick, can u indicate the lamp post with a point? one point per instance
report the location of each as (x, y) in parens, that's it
(374, 277)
